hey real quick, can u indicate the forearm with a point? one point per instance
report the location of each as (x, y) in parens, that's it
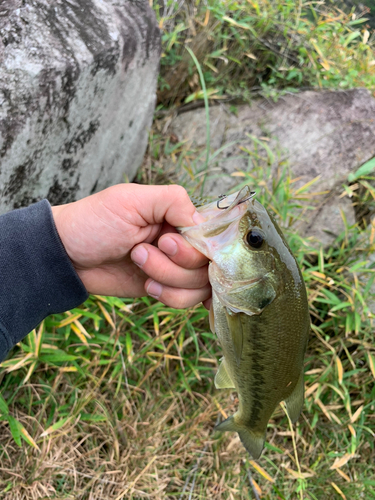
(36, 275)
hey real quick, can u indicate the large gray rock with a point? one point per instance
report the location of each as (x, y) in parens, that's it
(77, 95)
(318, 133)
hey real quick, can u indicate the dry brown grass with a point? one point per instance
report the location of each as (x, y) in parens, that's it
(163, 447)
(132, 416)
(97, 437)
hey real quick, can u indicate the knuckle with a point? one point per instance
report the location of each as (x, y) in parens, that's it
(179, 192)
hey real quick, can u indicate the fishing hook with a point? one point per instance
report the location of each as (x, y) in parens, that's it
(223, 196)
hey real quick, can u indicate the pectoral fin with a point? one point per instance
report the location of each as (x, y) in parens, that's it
(222, 378)
(294, 402)
(236, 331)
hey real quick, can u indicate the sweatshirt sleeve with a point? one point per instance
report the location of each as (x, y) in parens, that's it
(37, 277)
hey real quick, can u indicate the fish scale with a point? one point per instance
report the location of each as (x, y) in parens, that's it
(259, 312)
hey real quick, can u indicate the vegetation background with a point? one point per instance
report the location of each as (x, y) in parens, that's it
(115, 399)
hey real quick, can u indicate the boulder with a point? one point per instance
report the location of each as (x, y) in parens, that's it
(322, 133)
(77, 96)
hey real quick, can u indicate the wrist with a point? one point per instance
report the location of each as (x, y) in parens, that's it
(58, 218)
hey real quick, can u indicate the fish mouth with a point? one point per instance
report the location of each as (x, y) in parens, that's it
(243, 195)
(218, 216)
(221, 217)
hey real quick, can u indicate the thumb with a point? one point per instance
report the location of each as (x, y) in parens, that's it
(172, 204)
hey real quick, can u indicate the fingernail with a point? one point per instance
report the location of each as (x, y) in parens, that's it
(168, 246)
(197, 218)
(139, 256)
(154, 289)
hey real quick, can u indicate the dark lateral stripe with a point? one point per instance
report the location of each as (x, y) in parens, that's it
(258, 380)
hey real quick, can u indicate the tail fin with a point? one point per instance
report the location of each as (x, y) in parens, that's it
(252, 441)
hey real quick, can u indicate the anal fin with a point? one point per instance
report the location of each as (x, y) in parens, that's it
(294, 402)
(222, 378)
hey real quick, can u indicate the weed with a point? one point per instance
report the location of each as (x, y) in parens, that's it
(250, 47)
(115, 399)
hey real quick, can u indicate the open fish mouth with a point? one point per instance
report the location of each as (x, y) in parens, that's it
(224, 197)
(220, 225)
(227, 208)
(219, 214)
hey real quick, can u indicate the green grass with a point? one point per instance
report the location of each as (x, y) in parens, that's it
(266, 47)
(115, 399)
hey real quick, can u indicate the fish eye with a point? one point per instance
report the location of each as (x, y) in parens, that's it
(255, 238)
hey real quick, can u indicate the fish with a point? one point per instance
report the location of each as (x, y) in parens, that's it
(259, 312)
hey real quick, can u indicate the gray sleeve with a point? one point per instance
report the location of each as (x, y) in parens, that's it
(37, 277)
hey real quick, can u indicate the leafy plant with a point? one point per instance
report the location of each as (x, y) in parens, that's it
(262, 46)
(130, 382)
(115, 399)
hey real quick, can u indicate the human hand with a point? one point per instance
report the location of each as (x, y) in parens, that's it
(122, 242)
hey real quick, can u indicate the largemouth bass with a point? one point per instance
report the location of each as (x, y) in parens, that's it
(259, 312)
